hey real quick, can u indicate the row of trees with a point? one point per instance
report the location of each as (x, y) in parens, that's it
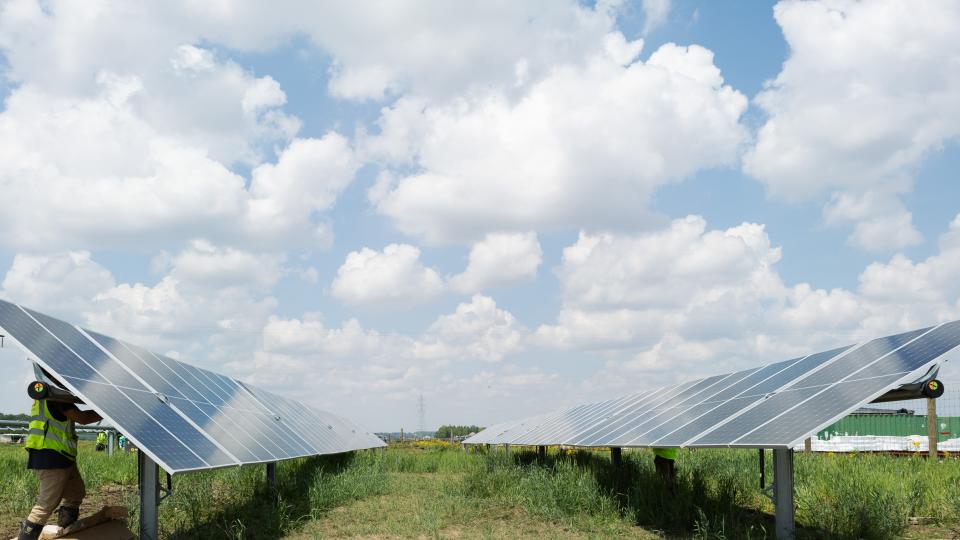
(445, 432)
(4, 416)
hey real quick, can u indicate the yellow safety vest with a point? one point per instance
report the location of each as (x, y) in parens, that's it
(48, 433)
(666, 453)
(101, 438)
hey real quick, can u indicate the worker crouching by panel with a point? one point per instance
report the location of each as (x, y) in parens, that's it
(52, 445)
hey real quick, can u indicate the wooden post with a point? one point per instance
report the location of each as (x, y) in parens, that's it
(932, 427)
(808, 444)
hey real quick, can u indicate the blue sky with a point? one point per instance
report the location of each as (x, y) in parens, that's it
(502, 206)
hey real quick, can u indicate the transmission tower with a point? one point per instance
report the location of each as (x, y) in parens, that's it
(422, 412)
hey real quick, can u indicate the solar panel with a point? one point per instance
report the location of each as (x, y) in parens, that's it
(773, 406)
(184, 417)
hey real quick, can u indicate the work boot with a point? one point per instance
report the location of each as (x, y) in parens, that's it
(66, 516)
(29, 530)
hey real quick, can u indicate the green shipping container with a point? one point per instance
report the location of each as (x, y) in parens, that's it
(901, 425)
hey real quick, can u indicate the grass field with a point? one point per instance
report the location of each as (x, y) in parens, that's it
(409, 492)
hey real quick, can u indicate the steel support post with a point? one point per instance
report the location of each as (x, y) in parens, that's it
(542, 452)
(110, 442)
(506, 449)
(763, 469)
(272, 474)
(783, 493)
(616, 456)
(149, 497)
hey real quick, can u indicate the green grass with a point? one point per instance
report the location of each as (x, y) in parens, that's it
(440, 493)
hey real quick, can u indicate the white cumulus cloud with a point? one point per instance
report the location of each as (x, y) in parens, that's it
(869, 89)
(498, 259)
(688, 301)
(655, 13)
(392, 276)
(586, 146)
(61, 283)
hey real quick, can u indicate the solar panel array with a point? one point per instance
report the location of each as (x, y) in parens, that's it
(184, 417)
(774, 406)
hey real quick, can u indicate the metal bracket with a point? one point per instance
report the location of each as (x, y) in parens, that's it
(166, 491)
(770, 492)
(765, 490)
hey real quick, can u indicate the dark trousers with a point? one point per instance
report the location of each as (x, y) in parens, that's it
(665, 468)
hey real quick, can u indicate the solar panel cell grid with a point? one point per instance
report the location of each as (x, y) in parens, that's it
(854, 360)
(799, 369)
(666, 421)
(833, 401)
(615, 436)
(739, 409)
(753, 418)
(41, 343)
(134, 363)
(561, 428)
(186, 418)
(173, 422)
(715, 408)
(631, 413)
(219, 429)
(650, 398)
(531, 432)
(108, 368)
(247, 432)
(605, 415)
(139, 426)
(164, 366)
(709, 420)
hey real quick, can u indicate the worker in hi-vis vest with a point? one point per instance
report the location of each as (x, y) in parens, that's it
(663, 461)
(101, 441)
(52, 447)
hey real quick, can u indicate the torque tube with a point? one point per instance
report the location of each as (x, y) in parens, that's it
(40, 390)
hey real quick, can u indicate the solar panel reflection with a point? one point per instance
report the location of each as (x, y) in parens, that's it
(184, 417)
(776, 405)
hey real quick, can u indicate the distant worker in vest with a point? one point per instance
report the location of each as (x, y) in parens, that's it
(122, 442)
(663, 462)
(52, 447)
(101, 441)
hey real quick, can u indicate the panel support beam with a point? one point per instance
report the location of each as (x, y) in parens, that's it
(783, 493)
(111, 440)
(149, 496)
(616, 456)
(272, 475)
